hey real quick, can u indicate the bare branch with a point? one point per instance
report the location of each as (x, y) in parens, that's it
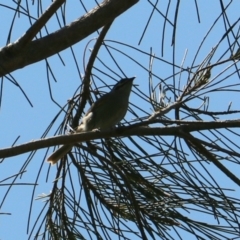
(36, 27)
(133, 130)
(53, 43)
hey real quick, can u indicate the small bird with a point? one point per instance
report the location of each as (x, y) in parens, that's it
(105, 113)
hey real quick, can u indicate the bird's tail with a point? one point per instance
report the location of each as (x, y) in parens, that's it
(59, 153)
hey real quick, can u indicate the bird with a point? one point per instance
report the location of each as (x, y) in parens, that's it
(103, 114)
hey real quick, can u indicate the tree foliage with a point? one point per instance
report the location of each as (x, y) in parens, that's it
(169, 169)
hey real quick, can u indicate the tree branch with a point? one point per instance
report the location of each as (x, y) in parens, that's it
(37, 26)
(133, 130)
(13, 57)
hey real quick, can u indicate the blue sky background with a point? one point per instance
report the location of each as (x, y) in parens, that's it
(18, 118)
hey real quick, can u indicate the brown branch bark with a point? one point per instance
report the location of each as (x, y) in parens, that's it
(13, 56)
(37, 26)
(133, 130)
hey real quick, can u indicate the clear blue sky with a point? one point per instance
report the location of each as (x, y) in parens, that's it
(18, 118)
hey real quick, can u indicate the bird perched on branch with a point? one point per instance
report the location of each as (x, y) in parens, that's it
(105, 113)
